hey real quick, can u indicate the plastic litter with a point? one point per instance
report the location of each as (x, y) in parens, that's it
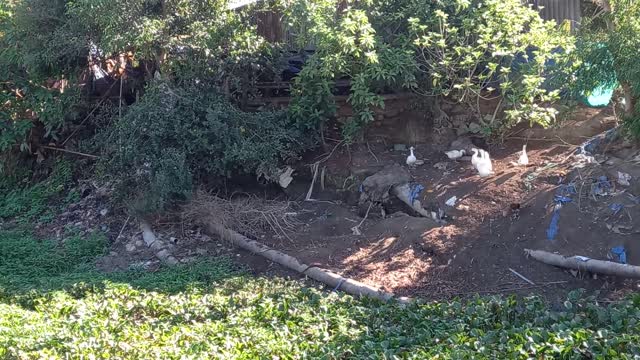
(582, 258)
(552, 231)
(620, 229)
(416, 189)
(361, 188)
(603, 186)
(591, 146)
(567, 189)
(615, 207)
(621, 253)
(624, 178)
(560, 199)
(452, 201)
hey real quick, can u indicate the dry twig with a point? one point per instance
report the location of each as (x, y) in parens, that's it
(248, 214)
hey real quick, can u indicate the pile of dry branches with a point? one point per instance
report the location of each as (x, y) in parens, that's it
(245, 214)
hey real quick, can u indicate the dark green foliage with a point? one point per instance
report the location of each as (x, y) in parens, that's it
(27, 200)
(174, 135)
(457, 49)
(607, 53)
(52, 305)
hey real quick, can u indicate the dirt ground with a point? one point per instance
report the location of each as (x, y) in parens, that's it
(484, 238)
(476, 250)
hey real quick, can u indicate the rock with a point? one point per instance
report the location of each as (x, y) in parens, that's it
(462, 143)
(104, 212)
(130, 247)
(78, 224)
(139, 243)
(376, 187)
(474, 127)
(104, 228)
(201, 252)
(113, 253)
(399, 147)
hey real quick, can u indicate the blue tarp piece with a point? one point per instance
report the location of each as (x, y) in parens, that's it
(621, 253)
(616, 208)
(566, 190)
(591, 146)
(416, 189)
(553, 226)
(560, 198)
(603, 186)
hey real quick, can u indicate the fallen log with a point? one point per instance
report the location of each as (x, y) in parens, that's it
(336, 281)
(156, 245)
(585, 264)
(403, 192)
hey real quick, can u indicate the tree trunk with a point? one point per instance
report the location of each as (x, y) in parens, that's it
(629, 96)
(629, 99)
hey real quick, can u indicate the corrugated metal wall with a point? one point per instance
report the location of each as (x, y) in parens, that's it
(559, 10)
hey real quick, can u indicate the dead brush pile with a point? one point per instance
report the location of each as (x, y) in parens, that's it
(248, 215)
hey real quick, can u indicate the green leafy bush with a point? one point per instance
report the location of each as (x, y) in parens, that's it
(607, 54)
(174, 135)
(35, 47)
(458, 49)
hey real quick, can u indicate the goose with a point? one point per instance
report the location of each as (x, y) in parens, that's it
(474, 158)
(455, 154)
(481, 161)
(411, 159)
(483, 165)
(524, 159)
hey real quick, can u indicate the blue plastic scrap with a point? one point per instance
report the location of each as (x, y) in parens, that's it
(558, 199)
(602, 186)
(615, 207)
(591, 146)
(361, 189)
(552, 231)
(561, 198)
(416, 189)
(566, 189)
(621, 253)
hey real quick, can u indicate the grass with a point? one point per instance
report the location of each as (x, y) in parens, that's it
(54, 305)
(25, 202)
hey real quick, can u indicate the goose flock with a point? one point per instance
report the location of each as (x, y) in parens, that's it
(481, 159)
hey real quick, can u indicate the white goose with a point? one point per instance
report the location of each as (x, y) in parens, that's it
(523, 160)
(411, 159)
(474, 158)
(455, 154)
(481, 160)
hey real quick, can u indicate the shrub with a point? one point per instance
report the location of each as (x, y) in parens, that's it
(174, 135)
(32, 199)
(34, 49)
(607, 53)
(459, 49)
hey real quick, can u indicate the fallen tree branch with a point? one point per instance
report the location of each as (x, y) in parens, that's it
(69, 151)
(156, 245)
(521, 276)
(402, 192)
(585, 264)
(333, 280)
